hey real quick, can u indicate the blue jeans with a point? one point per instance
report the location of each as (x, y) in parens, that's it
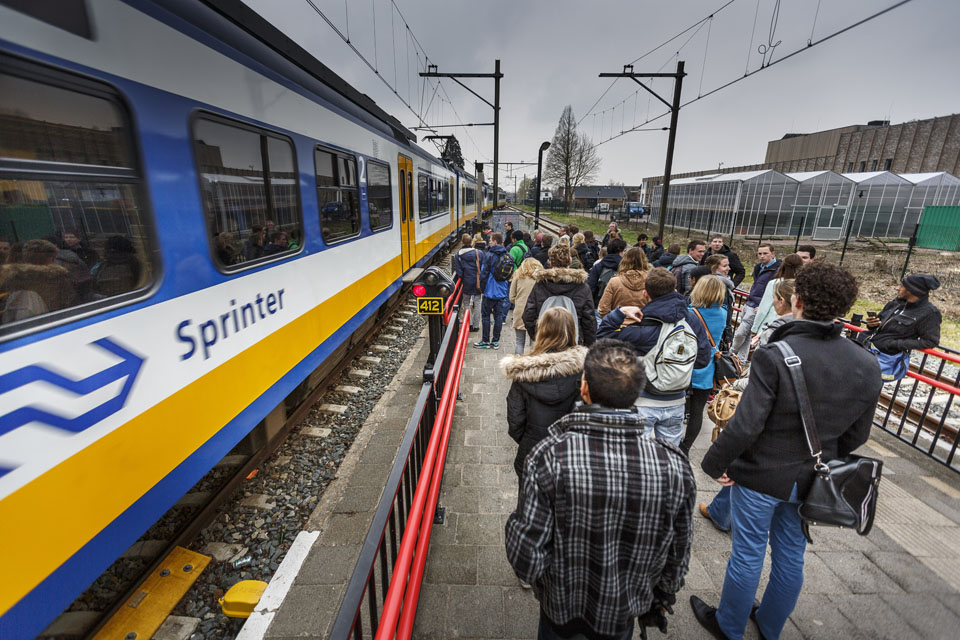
(719, 509)
(545, 631)
(758, 518)
(498, 307)
(665, 422)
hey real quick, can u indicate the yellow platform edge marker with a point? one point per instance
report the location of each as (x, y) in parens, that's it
(141, 615)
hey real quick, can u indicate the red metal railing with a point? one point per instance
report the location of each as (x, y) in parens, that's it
(452, 300)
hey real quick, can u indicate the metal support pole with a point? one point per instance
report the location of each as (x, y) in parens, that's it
(709, 225)
(763, 226)
(913, 241)
(796, 244)
(674, 114)
(846, 239)
(435, 325)
(496, 133)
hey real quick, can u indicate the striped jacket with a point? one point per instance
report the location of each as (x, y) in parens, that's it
(604, 517)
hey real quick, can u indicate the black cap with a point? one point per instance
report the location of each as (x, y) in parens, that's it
(920, 284)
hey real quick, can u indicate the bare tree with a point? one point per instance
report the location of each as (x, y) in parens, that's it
(572, 159)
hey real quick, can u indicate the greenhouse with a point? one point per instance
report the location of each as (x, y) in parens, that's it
(817, 204)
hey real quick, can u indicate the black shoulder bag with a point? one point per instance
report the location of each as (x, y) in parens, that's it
(844, 491)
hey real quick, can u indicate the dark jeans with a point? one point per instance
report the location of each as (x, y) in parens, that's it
(575, 631)
(498, 307)
(696, 402)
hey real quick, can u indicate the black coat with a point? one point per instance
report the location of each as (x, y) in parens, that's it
(567, 282)
(588, 255)
(737, 271)
(545, 388)
(763, 447)
(465, 264)
(664, 260)
(907, 325)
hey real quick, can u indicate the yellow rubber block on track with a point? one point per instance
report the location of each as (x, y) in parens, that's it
(156, 597)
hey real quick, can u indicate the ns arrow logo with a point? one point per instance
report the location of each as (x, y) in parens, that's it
(52, 421)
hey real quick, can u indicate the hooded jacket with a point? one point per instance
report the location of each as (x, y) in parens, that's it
(762, 275)
(465, 265)
(588, 254)
(623, 290)
(517, 250)
(665, 259)
(669, 308)
(737, 271)
(50, 282)
(544, 389)
(610, 261)
(763, 447)
(566, 282)
(907, 325)
(520, 289)
(492, 288)
(681, 268)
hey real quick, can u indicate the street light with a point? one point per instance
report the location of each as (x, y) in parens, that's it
(536, 218)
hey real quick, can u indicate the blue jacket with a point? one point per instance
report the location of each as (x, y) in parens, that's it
(716, 319)
(761, 276)
(668, 308)
(491, 287)
(465, 266)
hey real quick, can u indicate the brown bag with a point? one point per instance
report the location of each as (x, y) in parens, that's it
(476, 253)
(721, 410)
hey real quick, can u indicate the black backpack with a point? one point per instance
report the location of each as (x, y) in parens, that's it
(606, 274)
(504, 268)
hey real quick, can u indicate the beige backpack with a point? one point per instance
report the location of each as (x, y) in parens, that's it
(724, 405)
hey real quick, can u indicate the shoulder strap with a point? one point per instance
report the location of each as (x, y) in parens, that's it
(477, 255)
(793, 363)
(705, 327)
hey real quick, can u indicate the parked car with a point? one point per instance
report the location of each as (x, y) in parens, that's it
(630, 211)
(602, 207)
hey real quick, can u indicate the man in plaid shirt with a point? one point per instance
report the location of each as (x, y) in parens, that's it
(604, 519)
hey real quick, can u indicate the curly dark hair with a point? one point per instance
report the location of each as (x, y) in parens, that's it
(827, 291)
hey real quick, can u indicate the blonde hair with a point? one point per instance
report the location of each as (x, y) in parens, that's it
(528, 268)
(784, 289)
(556, 331)
(564, 241)
(634, 259)
(578, 239)
(477, 237)
(708, 292)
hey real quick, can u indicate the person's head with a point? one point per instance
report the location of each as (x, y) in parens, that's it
(698, 272)
(613, 226)
(789, 266)
(278, 237)
(616, 246)
(657, 241)
(603, 253)
(556, 331)
(496, 238)
(527, 240)
(539, 238)
(634, 259)
(716, 242)
(70, 240)
(588, 236)
(642, 238)
(574, 229)
(719, 264)
(578, 239)
(823, 292)
(559, 257)
(527, 268)
(674, 249)
(508, 226)
(765, 253)
(564, 241)
(39, 252)
(477, 239)
(612, 375)
(257, 233)
(696, 249)
(466, 240)
(916, 286)
(269, 227)
(782, 292)
(486, 229)
(659, 283)
(517, 236)
(708, 292)
(807, 253)
(546, 242)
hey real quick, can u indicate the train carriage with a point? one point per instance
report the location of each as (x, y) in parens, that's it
(212, 214)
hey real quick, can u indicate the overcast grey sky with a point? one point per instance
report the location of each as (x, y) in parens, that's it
(902, 66)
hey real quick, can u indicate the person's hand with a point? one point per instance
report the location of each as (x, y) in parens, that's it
(632, 313)
(755, 341)
(724, 480)
(873, 322)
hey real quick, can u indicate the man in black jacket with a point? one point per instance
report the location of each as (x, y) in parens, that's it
(762, 453)
(737, 270)
(603, 270)
(909, 321)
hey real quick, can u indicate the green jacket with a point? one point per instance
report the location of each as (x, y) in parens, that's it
(517, 251)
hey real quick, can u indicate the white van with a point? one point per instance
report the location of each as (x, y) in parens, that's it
(602, 207)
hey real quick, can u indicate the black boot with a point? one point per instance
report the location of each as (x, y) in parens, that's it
(753, 616)
(707, 617)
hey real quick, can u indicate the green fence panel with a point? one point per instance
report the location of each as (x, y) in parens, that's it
(939, 228)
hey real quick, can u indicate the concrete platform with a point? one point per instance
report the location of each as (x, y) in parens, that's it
(901, 581)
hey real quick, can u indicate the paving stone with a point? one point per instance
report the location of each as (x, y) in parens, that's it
(479, 437)
(463, 455)
(947, 567)
(359, 373)
(818, 578)
(176, 628)
(697, 578)
(858, 572)
(498, 500)
(451, 564)
(481, 475)
(328, 565)
(475, 611)
(334, 408)
(521, 613)
(479, 529)
(872, 616)
(494, 568)
(431, 619)
(927, 615)
(879, 449)
(346, 528)
(445, 533)
(908, 572)
(819, 618)
(308, 609)
(356, 499)
(221, 551)
(259, 501)
(497, 455)
(315, 432)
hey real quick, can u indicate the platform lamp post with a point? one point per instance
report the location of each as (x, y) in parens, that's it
(536, 217)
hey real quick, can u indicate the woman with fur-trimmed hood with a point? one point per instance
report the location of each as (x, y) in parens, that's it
(561, 280)
(546, 382)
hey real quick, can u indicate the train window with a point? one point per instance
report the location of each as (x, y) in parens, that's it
(379, 195)
(73, 230)
(248, 179)
(423, 195)
(433, 196)
(337, 195)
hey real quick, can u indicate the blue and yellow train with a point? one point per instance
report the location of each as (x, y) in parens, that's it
(194, 215)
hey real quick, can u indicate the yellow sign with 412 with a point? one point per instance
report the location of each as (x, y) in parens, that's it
(430, 306)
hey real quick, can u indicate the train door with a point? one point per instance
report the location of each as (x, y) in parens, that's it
(408, 237)
(453, 205)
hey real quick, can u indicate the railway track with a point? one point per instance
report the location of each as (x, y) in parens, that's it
(549, 225)
(206, 501)
(913, 415)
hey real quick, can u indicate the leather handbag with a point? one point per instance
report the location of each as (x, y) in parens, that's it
(844, 491)
(722, 407)
(727, 366)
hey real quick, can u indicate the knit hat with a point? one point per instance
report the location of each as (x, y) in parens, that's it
(920, 284)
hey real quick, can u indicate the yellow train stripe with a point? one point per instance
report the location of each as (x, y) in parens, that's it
(52, 517)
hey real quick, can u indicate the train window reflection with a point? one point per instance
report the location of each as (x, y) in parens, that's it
(337, 195)
(72, 229)
(379, 195)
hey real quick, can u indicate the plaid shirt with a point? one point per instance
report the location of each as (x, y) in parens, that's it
(604, 516)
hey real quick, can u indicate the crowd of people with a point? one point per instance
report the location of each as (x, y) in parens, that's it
(614, 363)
